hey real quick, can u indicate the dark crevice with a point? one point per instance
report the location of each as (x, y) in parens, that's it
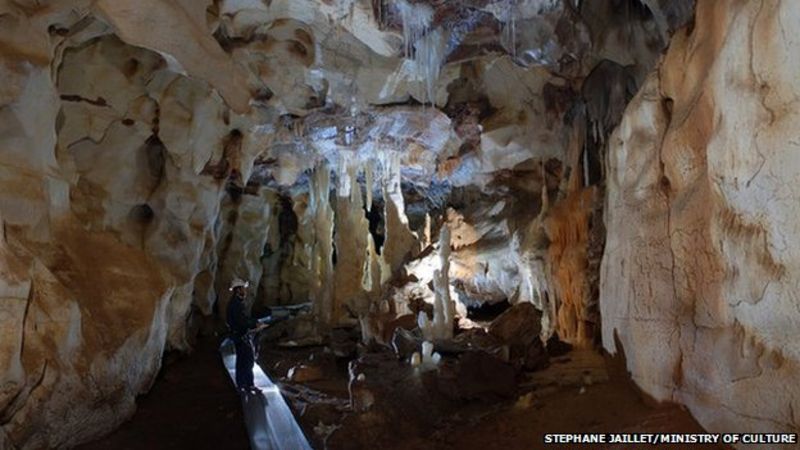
(28, 302)
(377, 226)
(287, 219)
(99, 101)
(156, 154)
(487, 311)
(142, 214)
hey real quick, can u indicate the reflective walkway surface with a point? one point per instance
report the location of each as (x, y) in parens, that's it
(269, 420)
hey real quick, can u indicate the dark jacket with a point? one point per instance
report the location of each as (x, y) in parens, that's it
(239, 322)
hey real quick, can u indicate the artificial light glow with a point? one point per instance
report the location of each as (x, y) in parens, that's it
(270, 422)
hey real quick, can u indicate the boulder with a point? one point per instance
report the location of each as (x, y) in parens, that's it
(343, 342)
(535, 356)
(405, 342)
(474, 339)
(303, 373)
(556, 347)
(519, 325)
(404, 322)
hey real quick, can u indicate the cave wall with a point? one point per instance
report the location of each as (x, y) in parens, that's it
(247, 224)
(112, 163)
(698, 285)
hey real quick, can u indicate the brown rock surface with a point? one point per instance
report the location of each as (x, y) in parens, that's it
(304, 373)
(519, 325)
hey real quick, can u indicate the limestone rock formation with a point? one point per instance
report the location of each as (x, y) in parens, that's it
(108, 214)
(700, 265)
(392, 162)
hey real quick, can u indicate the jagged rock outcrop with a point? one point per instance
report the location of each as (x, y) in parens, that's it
(701, 263)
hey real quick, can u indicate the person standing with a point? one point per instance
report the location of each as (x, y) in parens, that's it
(240, 324)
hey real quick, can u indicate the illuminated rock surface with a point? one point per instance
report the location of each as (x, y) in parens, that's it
(700, 263)
(402, 166)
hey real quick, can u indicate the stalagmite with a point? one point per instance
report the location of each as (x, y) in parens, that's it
(444, 310)
(322, 248)
(426, 358)
(353, 242)
(401, 243)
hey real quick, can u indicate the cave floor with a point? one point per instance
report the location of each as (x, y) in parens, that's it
(193, 406)
(581, 391)
(562, 402)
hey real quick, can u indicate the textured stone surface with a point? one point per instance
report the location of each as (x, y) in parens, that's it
(108, 219)
(81, 341)
(151, 151)
(699, 275)
(520, 324)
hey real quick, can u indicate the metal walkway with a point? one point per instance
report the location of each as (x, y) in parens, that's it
(269, 420)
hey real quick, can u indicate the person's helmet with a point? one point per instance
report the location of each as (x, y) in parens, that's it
(238, 282)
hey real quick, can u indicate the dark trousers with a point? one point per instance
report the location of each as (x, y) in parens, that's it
(244, 362)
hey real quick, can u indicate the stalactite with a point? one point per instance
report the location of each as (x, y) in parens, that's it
(510, 28)
(429, 58)
(416, 19)
(426, 47)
